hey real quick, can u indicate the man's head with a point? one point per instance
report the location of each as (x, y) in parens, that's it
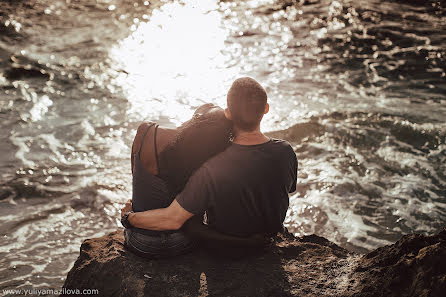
(247, 103)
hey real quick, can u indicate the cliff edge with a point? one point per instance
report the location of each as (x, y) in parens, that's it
(307, 266)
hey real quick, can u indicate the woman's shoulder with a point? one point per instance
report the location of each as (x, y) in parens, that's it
(146, 130)
(144, 126)
(140, 134)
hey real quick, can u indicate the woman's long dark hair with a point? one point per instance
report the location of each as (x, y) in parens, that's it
(205, 135)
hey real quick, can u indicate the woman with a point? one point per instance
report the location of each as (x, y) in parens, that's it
(162, 162)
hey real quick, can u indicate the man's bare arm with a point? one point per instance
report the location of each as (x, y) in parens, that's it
(169, 218)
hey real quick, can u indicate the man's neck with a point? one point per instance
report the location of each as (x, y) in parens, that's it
(249, 138)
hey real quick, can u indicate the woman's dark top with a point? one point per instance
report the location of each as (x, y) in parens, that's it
(149, 191)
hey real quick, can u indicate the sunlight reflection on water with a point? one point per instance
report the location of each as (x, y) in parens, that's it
(173, 62)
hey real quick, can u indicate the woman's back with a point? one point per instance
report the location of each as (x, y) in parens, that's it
(164, 159)
(144, 142)
(149, 191)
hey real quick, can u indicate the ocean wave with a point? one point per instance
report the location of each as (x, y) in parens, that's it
(381, 175)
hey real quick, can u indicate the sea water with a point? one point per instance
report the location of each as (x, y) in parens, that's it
(357, 87)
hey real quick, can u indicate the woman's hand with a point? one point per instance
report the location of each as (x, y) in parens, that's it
(127, 208)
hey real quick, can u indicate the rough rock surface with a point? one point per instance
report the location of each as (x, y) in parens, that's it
(307, 266)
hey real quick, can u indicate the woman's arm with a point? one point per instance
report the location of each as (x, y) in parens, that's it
(211, 238)
(137, 141)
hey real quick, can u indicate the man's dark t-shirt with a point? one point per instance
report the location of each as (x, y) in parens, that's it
(244, 189)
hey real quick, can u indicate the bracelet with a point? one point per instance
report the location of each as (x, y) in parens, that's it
(125, 220)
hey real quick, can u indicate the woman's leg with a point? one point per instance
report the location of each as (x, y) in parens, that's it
(157, 246)
(143, 245)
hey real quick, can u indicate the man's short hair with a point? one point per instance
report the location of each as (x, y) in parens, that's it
(246, 102)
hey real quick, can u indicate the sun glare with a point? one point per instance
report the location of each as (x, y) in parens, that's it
(173, 61)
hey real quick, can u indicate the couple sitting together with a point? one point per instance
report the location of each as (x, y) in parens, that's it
(216, 181)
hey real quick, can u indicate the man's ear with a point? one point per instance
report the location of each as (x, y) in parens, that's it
(266, 108)
(228, 114)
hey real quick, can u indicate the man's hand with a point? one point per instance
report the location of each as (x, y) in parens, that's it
(169, 218)
(127, 208)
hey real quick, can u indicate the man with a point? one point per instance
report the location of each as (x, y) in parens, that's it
(244, 190)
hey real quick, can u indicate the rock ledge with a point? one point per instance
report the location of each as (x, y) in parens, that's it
(307, 266)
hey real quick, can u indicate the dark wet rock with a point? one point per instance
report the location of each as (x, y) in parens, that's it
(8, 32)
(296, 133)
(5, 192)
(413, 266)
(19, 67)
(307, 266)
(15, 73)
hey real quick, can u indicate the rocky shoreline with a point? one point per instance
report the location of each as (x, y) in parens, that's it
(307, 266)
